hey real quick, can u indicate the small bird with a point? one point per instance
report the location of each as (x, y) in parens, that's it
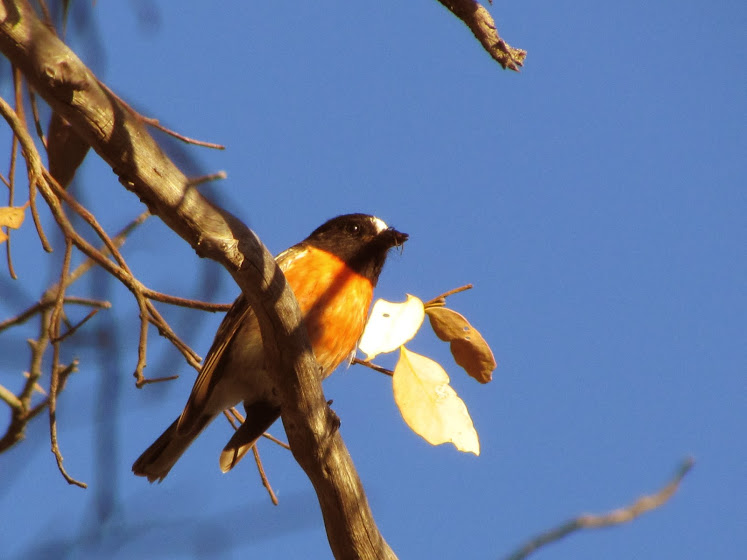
(332, 273)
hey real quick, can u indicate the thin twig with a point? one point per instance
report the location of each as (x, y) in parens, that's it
(184, 302)
(151, 380)
(64, 374)
(616, 517)
(11, 192)
(236, 419)
(277, 441)
(263, 475)
(53, 194)
(54, 385)
(10, 399)
(192, 357)
(71, 331)
(233, 417)
(154, 123)
(38, 388)
(19, 418)
(37, 121)
(439, 301)
(147, 311)
(236, 414)
(374, 367)
(45, 303)
(197, 181)
(21, 114)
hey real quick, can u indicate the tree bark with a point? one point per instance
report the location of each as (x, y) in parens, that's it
(122, 140)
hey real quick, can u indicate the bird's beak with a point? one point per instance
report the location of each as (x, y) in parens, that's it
(397, 238)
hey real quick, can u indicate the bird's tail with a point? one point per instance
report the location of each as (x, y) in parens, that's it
(259, 417)
(160, 457)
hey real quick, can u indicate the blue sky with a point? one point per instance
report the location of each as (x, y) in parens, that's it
(596, 201)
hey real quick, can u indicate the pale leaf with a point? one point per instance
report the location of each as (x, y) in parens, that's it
(467, 345)
(391, 325)
(429, 405)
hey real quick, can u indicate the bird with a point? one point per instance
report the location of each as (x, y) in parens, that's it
(332, 273)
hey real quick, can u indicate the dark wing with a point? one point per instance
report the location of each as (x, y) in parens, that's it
(207, 379)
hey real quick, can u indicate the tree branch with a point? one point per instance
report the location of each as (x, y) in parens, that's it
(616, 517)
(123, 142)
(481, 23)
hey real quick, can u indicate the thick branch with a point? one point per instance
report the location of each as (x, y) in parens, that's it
(123, 142)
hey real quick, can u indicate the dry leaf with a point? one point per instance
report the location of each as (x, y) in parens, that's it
(391, 325)
(429, 405)
(467, 345)
(12, 217)
(65, 149)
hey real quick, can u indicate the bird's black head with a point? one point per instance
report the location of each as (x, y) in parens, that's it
(361, 240)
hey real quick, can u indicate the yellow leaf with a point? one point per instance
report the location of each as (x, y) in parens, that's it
(391, 325)
(429, 405)
(467, 345)
(12, 216)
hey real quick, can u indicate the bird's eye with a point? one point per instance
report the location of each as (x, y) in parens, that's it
(353, 229)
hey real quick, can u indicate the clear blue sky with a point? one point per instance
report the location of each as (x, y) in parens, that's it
(597, 202)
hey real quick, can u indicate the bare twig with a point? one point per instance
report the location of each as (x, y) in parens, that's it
(53, 193)
(155, 124)
(45, 303)
(54, 385)
(65, 372)
(277, 441)
(263, 475)
(441, 300)
(71, 331)
(616, 517)
(151, 380)
(10, 399)
(148, 313)
(183, 302)
(19, 111)
(11, 192)
(236, 419)
(197, 181)
(373, 366)
(167, 332)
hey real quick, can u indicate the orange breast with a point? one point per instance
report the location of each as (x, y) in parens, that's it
(334, 301)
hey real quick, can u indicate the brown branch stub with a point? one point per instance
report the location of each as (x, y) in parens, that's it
(440, 301)
(263, 476)
(616, 517)
(374, 367)
(479, 20)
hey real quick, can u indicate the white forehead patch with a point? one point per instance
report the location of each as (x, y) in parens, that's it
(379, 224)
